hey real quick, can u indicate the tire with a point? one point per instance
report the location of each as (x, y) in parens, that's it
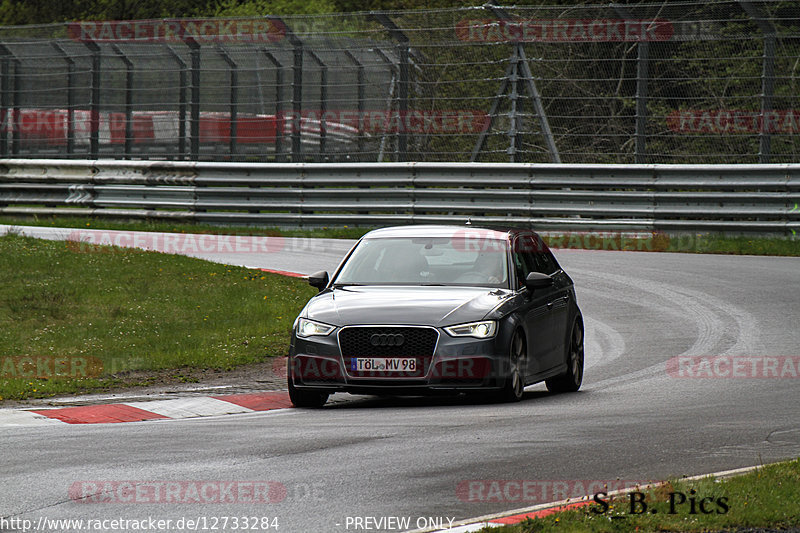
(571, 380)
(514, 387)
(307, 399)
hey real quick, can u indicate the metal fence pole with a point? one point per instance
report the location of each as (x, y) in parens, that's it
(767, 78)
(128, 100)
(278, 105)
(533, 92)
(15, 93)
(5, 74)
(403, 53)
(194, 105)
(297, 87)
(181, 101)
(234, 98)
(360, 97)
(297, 100)
(642, 77)
(94, 101)
(10, 112)
(514, 116)
(390, 101)
(323, 104)
(70, 98)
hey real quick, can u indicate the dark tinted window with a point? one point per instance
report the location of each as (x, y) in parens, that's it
(532, 255)
(524, 260)
(548, 262)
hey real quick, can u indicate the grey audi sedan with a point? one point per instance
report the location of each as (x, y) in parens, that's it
(439, 309)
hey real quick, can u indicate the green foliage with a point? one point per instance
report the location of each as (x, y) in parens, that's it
(260, 8)
(18, 12)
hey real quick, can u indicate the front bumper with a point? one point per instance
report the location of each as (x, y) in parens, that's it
(457, 364)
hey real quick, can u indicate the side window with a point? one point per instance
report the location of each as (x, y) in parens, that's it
(546, 263)
(524, 261)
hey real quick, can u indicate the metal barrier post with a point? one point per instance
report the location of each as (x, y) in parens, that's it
(642, 77)
(297, 88)
(194, 111)
(70, 98)
(94, 113)
(389, 102)
(128, 100)
(9, 120)
(323, 104)
(360, 92)
(181, 101)
(403, 53)
(533, 92)
(5, 53)
(15, 92)
(278, 105)
(514, 114)
(767, 79)
(234, 99)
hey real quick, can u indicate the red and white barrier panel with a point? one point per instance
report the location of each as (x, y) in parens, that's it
(51, 127)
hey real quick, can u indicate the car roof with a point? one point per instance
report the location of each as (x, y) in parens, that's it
(431, 230)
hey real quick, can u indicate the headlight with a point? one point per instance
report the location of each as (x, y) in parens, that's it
(479, 330)
(309, 328)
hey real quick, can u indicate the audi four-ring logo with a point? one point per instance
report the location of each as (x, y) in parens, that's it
(387, 339)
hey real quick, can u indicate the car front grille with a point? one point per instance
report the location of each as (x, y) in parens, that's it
(413, 342)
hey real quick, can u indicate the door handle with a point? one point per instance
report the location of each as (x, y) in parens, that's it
(560, 298)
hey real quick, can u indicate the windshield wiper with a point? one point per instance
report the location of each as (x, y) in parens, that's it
(348, 285)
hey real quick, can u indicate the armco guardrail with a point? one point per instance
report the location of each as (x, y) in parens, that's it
(670, 198)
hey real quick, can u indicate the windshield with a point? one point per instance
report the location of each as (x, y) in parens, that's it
(426, 261)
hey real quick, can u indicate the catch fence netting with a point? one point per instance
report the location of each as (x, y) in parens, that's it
(671, 82)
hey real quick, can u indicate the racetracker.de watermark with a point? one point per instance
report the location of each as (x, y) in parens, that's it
(734, 367)
(483, 241)
(87, 241)
(260, 30)
(50, 366)
(177, 492)
(734, 121)
(564, 30)
(533, 491)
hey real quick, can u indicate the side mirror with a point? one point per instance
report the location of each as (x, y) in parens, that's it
(537, 280)
(319, 280)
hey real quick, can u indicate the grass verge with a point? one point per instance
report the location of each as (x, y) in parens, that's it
(768, 497)
(77, 317)
(585, 240)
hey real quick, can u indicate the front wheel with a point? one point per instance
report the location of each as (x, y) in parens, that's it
(571, 380)
(302, 398)
(514, 387)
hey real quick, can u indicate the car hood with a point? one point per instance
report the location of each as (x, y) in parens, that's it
(435, 306)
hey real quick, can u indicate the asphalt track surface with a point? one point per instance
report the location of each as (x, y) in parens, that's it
(407, 457)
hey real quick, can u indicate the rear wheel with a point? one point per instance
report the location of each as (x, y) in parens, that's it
(302, 398)
(571, 380)
(514, 387)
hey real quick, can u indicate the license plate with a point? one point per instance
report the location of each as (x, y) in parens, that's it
(383, 364)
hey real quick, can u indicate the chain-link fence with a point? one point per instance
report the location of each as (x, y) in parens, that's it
(672, 82)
